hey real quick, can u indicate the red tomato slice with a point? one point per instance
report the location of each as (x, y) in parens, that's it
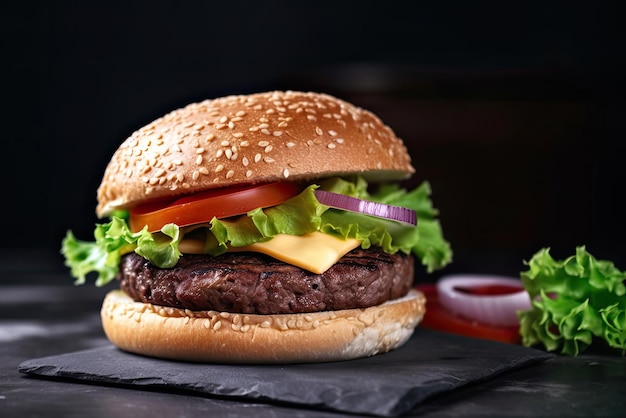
(204, 206)
(440, 319)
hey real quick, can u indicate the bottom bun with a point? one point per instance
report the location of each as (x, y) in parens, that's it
(221, 337)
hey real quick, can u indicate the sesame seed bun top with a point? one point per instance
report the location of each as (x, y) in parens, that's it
(250, 139)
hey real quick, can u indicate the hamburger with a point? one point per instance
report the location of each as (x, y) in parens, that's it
(261, 228)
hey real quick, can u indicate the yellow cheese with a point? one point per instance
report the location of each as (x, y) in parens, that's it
(315, 252)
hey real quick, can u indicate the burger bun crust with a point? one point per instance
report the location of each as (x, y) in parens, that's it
(248, 139)
(220, 337)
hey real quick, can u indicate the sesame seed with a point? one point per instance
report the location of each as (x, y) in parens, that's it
(265, 131)
(264, 125)
(229, 153)
(245, 161)
(199, 159)
(331, 146)
(268, 159)
(199, 150)
(244, 143)
(318, 130)
(203, 170)
(248, 173)
(286, 173)
(237, 134)
(223, 119)
(195, 175)
(210, 137)
(219, 168)
(219, 153)
(224, 143)
(257, 158)
(277, 133)
(332, 133)
(290, 144)
(263, 143)
(268, 148)
(230, 174)
(311, 117)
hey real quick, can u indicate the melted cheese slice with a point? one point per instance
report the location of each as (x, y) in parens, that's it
(315, 252)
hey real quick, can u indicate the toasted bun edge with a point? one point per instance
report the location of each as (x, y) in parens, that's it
(220, 337)
(249, 139)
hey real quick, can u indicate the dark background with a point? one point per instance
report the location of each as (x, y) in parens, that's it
(513, 111)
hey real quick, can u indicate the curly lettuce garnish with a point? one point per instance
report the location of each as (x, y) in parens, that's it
(575, 302)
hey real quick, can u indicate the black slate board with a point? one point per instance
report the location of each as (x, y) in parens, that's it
(391, 384)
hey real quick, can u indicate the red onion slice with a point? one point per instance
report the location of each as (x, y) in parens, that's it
(470, 296)
(380, 210)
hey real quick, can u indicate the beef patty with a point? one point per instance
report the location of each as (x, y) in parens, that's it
(255, 283)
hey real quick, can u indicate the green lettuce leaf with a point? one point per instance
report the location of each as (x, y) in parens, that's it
(299, 215)
(575, 302)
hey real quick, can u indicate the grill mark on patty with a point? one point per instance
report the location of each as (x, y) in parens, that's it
(256, 283)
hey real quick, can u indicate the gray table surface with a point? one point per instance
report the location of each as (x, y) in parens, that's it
(44, 314)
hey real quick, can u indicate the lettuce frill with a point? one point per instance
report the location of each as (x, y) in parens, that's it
(574, 302)
(299, 215)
